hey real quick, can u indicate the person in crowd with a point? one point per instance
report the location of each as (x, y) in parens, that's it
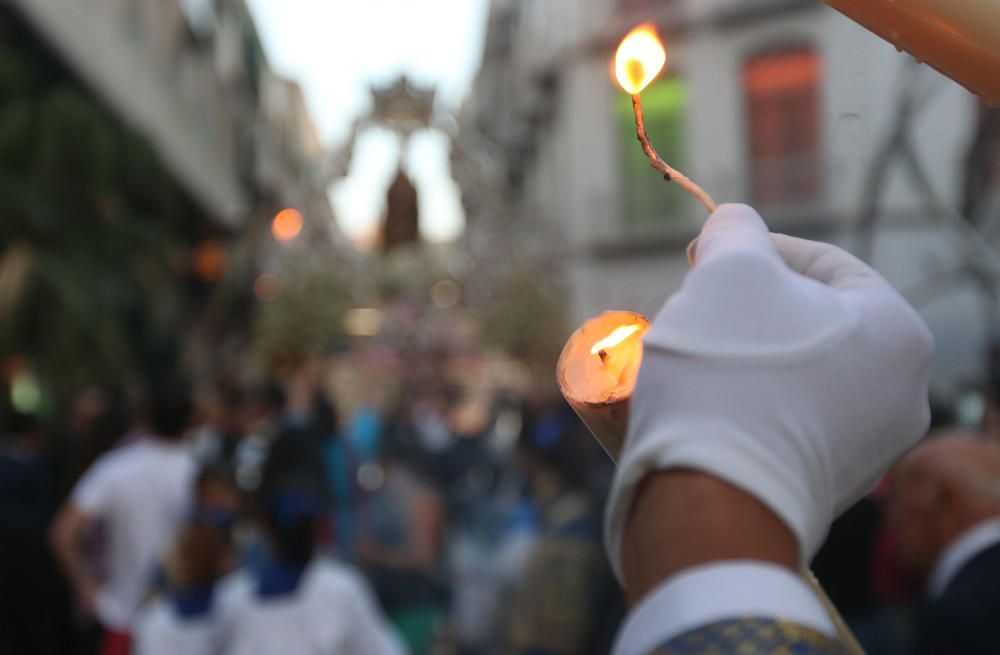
(419, 422)
(342, 462)
(554, 608)
(219, 424)
(179, 619)
(467, 471)
(100, 417)
(297, 601)
(137, 494)
(262, 420)
(946, 508)
(846, 567)
(34, 600)
(401, 548)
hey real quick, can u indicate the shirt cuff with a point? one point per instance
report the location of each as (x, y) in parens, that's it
(714, 592)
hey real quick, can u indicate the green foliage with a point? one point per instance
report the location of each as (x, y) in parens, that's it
(96, 222)
(307, 317)
(526, 317)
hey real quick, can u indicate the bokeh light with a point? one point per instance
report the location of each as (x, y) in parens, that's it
(25, 393)
(287, 225)
(363, 321)
(445, 294)
(267, 287)
(210, 259)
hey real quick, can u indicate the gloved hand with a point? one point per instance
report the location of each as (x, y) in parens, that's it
(785, 367)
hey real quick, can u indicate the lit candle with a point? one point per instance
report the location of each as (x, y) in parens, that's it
(598, 367)
(639, 59)
(957, 37)
(597, 372)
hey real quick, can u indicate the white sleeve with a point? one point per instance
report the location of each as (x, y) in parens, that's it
(370, 634)
(93, 492)
(716, 592)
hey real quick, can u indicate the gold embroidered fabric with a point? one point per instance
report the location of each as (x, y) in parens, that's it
(751, 636)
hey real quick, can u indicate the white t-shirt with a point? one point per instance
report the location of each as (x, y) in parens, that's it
(159, 630)
(139, 494)
(331, 613)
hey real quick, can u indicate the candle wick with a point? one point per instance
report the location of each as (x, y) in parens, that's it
(603, 354)
(670, 174)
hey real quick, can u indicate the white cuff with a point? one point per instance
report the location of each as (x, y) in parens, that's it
(715, 592)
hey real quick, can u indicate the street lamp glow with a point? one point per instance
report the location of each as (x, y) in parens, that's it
(287, 225)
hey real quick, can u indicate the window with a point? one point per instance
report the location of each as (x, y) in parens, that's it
(648, 200)
(782, 90)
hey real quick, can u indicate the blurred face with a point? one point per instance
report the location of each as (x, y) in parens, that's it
(86, 407)
(916, 518)
(218, 495)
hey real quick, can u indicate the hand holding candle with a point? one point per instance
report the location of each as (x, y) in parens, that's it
(796, 377)
(786, 368)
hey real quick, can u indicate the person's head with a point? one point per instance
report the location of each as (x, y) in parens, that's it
(942, 488)
(100, 414)
(169, 407)
(294, 518)
(215, 490)
(294, 497)
(263, 401)
(325, 421)
(232, 401)
(204, 545)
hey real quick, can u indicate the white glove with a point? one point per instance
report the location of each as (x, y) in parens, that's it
(798, 381)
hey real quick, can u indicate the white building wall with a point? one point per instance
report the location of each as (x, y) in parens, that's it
(575, 181)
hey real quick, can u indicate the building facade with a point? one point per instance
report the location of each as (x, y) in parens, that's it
(783, 104)
(158, 139)
(193, 78)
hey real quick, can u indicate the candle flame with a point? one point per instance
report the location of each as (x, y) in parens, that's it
(619, 334)
(639, 59)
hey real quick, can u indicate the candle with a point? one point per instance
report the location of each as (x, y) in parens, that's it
(639, 59)
(597, 371)
(957, 37)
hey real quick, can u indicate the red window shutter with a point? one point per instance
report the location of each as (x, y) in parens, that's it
(782, 91)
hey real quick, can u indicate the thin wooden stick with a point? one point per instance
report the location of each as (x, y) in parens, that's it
(844, 632)
(670, 174)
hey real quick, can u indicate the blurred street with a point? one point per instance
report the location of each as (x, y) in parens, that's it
(270, 302)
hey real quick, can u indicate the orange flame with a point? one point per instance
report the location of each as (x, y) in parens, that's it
(639, 59)
(619, 335)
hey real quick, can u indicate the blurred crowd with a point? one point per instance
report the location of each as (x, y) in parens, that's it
(173, 517)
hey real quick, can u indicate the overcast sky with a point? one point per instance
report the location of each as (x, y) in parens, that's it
(336, 48)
